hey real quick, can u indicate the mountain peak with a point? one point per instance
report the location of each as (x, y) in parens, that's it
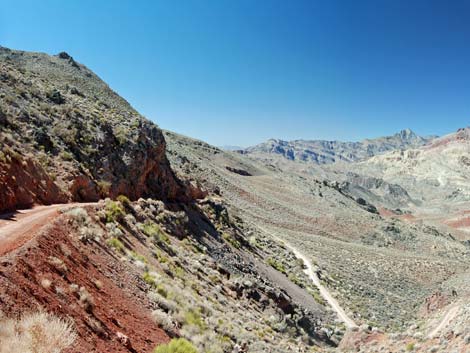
(406, 134)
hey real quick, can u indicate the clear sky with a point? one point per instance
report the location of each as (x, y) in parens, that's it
(237, 72)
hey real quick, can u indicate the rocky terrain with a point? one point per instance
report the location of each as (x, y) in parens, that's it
(326, 152)
(161, 260)
(381, 265)
(66, 136)
(162, 243)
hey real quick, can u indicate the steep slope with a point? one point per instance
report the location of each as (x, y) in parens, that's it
(326, 152)
(127, 276)
(65, 135)
(381, 270)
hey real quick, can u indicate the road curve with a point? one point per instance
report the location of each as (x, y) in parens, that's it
(316, 281)
(448, 317)
(19, 227)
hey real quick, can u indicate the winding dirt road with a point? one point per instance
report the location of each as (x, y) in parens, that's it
(448, 317)
(19, 227)
(323, 291)
(316, 281)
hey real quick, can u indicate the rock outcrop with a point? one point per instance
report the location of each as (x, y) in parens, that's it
(73, 138)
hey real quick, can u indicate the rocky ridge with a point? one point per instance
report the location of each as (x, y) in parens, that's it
(326, 152)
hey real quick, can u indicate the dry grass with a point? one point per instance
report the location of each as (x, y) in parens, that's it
(36, 333)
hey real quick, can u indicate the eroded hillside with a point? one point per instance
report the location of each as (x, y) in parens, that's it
(383, 270)
(123, 276)
(65, 135)
(218, 251)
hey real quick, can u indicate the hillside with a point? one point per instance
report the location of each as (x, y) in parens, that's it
(326, 152)
(66, 136)
(381, 269)
(149, 258)
(121, 237)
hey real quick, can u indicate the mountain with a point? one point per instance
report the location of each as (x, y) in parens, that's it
(158, 242)
(326, 152)
(105, 249)
(66, 136)
(231, 148)
(436, 174)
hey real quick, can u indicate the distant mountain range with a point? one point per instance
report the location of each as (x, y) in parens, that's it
(231, 148)
(325, 152)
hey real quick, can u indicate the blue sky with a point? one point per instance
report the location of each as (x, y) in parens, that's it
(239, 72)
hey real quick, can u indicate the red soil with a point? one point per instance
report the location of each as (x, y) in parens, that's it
(459, 223)
(385, 212)
(119, 300)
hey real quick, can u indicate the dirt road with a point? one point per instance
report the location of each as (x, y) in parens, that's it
(448, 317)
(18, 227)
(316, 281)
(323, 291)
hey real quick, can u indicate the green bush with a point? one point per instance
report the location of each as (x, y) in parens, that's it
(228, 237)
(154, 231)
(114, 212)
(149, 279)
(66, 156)
(124, 200)
(277, 265)
(104, 187)
(116, 244)
(177, 345)
(193, 317)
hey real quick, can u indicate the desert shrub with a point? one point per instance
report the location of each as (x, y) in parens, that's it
(277, 265)
(149, 279)
(138, 257)
(55, 96)
(318, 298)
(66, 156)
(114, 211)
(45, 283)
(231, 239)
(103, 188)
(193, 317)
(86, 300)
(177, 345)
(166, 304)
(58, 264)
(114, 230)
(161, 289)
(121, 134)
(410, 347)
(116, 244)
(154, 231)
(36, 333)
(87, 230)
(163, 320)
(124, 200)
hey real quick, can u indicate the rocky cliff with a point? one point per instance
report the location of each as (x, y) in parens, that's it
(65, 135)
